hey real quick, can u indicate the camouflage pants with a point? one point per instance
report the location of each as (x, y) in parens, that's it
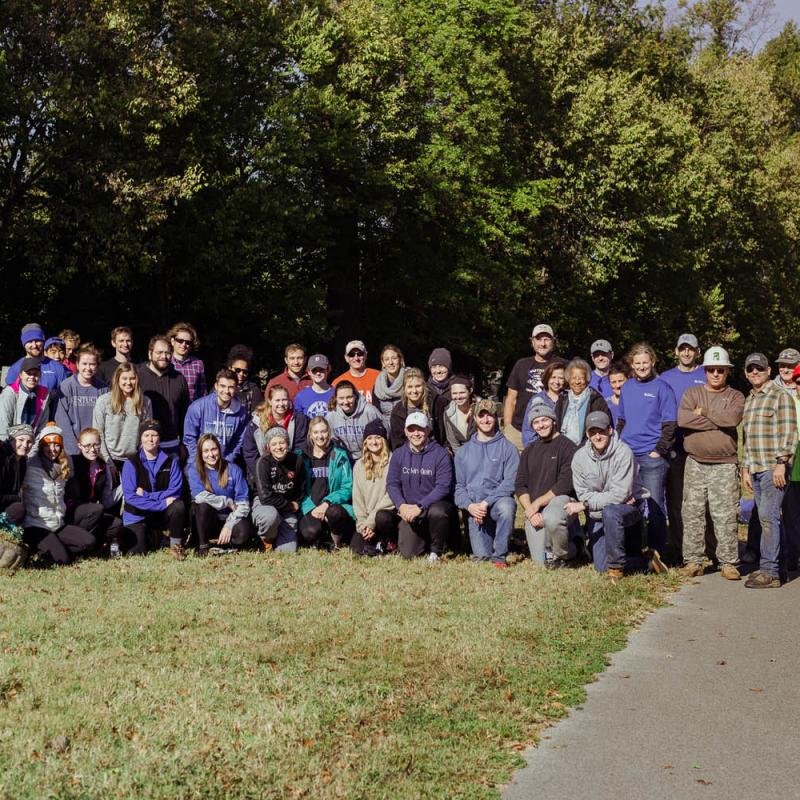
(718, 486)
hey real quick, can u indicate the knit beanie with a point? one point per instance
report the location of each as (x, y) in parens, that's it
(276, 432)
(30, 332)
(20, 430)
(375, 427)
(51, 429)
(149, 425)
(540, 409)
(440, 356)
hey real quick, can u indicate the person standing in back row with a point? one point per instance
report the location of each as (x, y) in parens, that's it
(294, 378)
(359, 374)
(525, 380)
(602, 356)
(122, 342)
(184, 341)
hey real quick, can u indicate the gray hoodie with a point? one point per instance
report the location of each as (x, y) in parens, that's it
(119, 432)
(349, 431)
(609, 478)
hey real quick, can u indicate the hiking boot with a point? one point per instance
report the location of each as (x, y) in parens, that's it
(657, 566)
(177, 552)
(615, 575)
(557, 563)
(730, 572)
(694, 570)
(266, 545)
(760, 580)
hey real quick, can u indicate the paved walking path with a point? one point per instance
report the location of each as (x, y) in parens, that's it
(704, 702)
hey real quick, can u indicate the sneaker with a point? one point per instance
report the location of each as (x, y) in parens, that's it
(223, 551)
(202, 552)
(615, 575)
(693, 570)
(760, 580)
(433, 558)
(730, 572)
(657, 566)
(177, 552)
(557, 563)
(501, 564)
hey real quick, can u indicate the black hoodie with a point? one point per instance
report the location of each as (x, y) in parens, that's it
(278, 483)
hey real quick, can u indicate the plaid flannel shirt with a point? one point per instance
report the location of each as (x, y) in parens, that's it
(195, 373)
(770, 428)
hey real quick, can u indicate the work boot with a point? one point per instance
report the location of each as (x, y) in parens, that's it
(177, 552)
(615, 575)
(760, 580)
(657, 566)
(694, 570)
(730, 572)
(266, 545)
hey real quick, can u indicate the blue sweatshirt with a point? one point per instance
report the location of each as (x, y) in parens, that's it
(420, 479)
(75, 409)
(645, 406)
(681, 381)
(235, 489)
(485, 470)
(600, 384)
(152, 502)
(227, 424)
(53, 373)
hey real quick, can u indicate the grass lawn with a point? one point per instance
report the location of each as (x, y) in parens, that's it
(313, 675)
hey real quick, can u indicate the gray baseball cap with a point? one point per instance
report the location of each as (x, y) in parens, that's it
(788, 356)
(318, 361)
(756, 359)
(597, 419)
(688, 338)
(601, 346)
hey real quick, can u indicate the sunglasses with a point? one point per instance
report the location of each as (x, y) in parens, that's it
(181, 341)
(716, 370)
(241, 371)
(355, 354)
(754, 368)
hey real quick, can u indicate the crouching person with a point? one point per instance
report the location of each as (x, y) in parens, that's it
(90, 499)
(420, 482)
(376, 519)
(280, 478)
(220, 497)
(606, 480)
(544, 488)
(486, 468)
(152, 483)
(44, 494)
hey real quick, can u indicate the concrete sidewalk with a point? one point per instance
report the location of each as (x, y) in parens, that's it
(703, 702)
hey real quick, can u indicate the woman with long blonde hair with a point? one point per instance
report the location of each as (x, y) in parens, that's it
(117, 415)
(417, 396)
(376, 519)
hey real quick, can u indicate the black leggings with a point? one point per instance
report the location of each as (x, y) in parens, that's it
(172, 519)
(385, 532)
(432, 527)
(337, 522)
(93, 517)
(11, 505)
(61, 545)
(208, 525)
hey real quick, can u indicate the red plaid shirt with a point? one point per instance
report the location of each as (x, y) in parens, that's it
(195, 373)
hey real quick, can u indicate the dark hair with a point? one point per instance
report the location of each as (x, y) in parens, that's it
(240, 352)
(226, 373)
(619, 367)
(558, 363)
(159, 337)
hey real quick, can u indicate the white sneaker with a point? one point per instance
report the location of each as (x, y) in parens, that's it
(433, 558)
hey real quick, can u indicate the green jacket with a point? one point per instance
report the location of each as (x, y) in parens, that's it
(340, 481)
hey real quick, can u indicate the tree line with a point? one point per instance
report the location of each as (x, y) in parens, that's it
(414, 171)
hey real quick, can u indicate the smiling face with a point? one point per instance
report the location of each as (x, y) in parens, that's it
(127, 382)
(241, 369)
(150, 442)
(439, 372)
(56, 352)
(279, 403)
(30, 379)
(616, 379)
(543, 345)
(87, 368)
(210, 453)
(577, 381)
(556, 382)
(642, 366)
(319, 375)
(374, 443)
(391, 362)
(225, 389)
(785, 371)
(687, 355)
(123, 344)
(544, 427)
(89, 445)
(295, 361)
(460, 394)
(320, 435)
(757, 376)
(34, 348)
(52, 447)
(486, 423)
(599, 437)
(601, 360)
(278, 447)
(23, 445)
(356, 359)
(182, 343)
(346, 399)
(415, 389)
(417, 436)
(160, 355)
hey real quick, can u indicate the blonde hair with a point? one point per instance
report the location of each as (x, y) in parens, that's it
(413, 373)
(375, 463)
(639, 349)
(202, 469)
(118, 396)
(264, 408)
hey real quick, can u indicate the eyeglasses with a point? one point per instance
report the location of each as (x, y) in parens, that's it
(355, 354)
(241, 371)
(181, 341)
(716, 370)
(91, 446)
(754, 368)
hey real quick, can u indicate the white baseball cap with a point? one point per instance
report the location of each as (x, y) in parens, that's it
(716, 357)
(542, 329)
(356, 344)
(417, 418)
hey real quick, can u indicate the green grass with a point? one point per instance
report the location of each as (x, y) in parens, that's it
(314, 676)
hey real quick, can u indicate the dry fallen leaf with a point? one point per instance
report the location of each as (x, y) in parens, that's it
(757, 689)
(704, 782)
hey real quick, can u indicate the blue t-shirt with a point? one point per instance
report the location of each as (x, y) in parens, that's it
(681, 381)
(311, 403)
(645, 406)
(613, 408)
(600, 384)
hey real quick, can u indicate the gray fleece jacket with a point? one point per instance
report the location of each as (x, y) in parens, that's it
(119, 432)
(349, 431)
(608, 478)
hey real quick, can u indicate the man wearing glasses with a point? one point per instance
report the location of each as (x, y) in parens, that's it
(709, 415)
(770, 430)
(359, 374)
(787, 360)
(184, 340)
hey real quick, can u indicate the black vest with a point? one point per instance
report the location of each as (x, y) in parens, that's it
(84, 484)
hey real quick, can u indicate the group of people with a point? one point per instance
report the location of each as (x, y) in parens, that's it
(611, 462)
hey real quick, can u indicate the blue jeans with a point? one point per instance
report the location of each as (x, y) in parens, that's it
(607, 536)
(490, 540)
(769, 499)
(653, 474)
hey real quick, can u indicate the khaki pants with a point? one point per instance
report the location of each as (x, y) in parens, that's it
(514, 436)
(715, 486)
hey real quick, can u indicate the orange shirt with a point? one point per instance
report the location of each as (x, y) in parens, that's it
(364, 385)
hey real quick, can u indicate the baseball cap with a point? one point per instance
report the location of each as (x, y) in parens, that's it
(597, 419)
(756, 359)
(717, 357)
(486, 405)
(29, 363)
(541, 329)
(788, 356)
(356, 344)
(417, 418)
(54, 340)
(318, 361)
(601, 346)
(688, 338)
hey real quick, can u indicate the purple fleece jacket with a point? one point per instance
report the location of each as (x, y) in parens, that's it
(422, 478)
